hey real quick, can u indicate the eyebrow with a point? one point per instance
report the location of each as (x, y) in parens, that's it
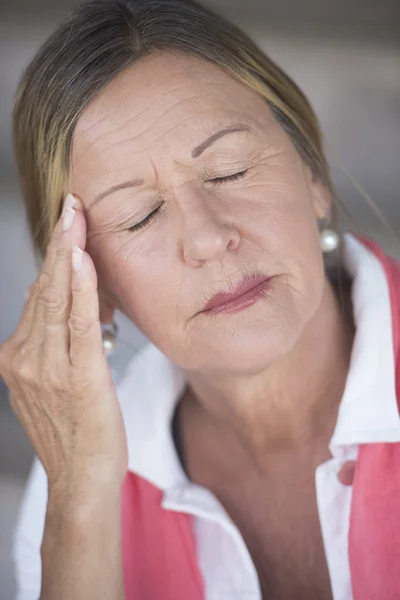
(196, 152)
(121, 186)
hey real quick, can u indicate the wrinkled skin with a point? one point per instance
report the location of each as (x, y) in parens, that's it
(275, 371)
(207, 234)
(264, 384)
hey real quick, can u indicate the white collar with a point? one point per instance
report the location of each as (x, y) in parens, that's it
(368, 411)
(148, 394)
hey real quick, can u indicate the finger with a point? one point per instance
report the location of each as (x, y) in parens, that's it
(52, 307)
(57, 298)
(84, 321)
(36, 326)
(70, 204)
(56, 303)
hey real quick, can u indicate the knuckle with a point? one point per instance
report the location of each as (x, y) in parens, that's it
(62, 254)
(53, 299)
(80, 325)
(22, 367)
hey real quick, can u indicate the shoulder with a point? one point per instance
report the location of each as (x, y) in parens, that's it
(389, 263)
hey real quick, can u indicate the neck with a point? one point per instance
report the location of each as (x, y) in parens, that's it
(292, 403)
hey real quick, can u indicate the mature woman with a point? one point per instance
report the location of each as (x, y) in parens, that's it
(247, 446)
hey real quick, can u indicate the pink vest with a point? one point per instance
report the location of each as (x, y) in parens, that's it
(159, 549)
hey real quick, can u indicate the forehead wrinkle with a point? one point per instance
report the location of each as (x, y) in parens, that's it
(97, 103)
(88, 188)
(112, 132)
(111, 174)
(82, 154)
(102, 135)
(121, 142)
(111, 171)
(158, 99)
(173, 126)
(130, 138)
(96, 107)
(173, 106)
(188, 118)
(198, 68)
(155, 100)
(154, 141)
(94, 122)
(92, 142)
(118, 143)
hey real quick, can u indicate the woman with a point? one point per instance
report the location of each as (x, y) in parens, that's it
(246, 440)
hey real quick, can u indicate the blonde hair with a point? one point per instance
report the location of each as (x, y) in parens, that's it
(99, 40)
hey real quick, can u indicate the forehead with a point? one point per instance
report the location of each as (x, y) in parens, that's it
(164, 105)
(157, 96)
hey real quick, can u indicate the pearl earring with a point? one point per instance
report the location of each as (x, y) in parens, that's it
(329, 240)
(109, 333)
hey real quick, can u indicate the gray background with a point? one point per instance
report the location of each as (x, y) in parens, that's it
(345, 54)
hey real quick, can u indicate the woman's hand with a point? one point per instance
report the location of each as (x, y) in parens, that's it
(62, 392)
(61, 388)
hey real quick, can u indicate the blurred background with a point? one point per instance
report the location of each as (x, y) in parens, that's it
(345, 54)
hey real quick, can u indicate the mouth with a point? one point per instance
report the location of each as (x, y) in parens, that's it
(246, 293)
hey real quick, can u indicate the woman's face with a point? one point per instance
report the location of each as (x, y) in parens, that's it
(243, 202)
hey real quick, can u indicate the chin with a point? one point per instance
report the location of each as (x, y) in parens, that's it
(248, 347)
(253, 353)
(247, 341)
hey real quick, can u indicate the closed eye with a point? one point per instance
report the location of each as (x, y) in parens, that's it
(147, 220)
(234, 177)
(216, 180)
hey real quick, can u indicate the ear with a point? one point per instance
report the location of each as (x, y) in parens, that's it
(321, 196)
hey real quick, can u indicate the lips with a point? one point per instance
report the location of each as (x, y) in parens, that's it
(248, 283)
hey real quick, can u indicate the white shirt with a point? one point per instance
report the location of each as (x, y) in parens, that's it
(148, 393)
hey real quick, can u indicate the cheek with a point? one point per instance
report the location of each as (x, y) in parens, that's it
(278, 218)
(276, 195)
(277, 213)
(140, 277)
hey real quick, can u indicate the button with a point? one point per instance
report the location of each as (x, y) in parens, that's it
(346, 472)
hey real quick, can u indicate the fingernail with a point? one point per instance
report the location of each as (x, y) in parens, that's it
(69, 202)
(77, 258)
(68, 218)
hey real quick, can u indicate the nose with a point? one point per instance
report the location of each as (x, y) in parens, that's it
(205, 234)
